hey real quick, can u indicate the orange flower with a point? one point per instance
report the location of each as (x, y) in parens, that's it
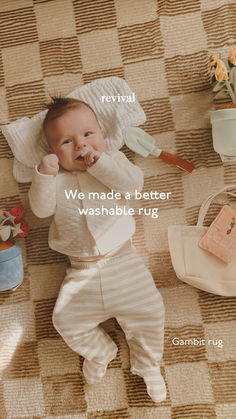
(232, 56)
(213, 61)
(221, 71)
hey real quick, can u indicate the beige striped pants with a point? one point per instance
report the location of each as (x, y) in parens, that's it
(120, 287)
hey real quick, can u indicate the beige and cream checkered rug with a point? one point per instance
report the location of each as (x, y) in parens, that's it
(161, 48)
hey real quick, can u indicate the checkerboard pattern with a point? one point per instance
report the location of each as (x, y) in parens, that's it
(161, 49)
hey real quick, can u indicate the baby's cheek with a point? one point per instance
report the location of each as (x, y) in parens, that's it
(89, 146)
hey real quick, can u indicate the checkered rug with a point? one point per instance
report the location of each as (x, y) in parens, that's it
(161, 49)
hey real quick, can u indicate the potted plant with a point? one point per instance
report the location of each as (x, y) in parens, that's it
(11, 265)
(223, 119)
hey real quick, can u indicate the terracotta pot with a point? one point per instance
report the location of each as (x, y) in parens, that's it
(6, 245)
(227, 106)
(11, 266)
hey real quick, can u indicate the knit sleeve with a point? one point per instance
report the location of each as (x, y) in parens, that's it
(117, 173)
(42, 194)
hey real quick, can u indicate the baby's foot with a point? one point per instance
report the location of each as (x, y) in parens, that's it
(94, 371)
(156, 387)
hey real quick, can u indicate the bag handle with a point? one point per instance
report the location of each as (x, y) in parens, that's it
(206, 203)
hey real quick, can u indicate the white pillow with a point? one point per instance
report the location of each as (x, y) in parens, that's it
(27, 140)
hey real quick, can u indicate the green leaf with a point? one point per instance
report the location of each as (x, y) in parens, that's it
(227, 63)
(11, 218)
(233, 81)
(16, 230)
(5, 233)
(2, 217)
(222, 94)
(220, 85)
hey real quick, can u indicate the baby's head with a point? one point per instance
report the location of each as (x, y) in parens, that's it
(70, 126)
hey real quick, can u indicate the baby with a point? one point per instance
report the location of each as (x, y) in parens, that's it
(106, 278)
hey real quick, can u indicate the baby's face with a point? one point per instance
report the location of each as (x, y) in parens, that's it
(73, 133)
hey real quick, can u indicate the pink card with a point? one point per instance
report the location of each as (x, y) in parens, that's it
(220, 238)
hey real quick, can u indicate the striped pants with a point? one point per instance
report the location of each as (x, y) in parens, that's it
(120, 287)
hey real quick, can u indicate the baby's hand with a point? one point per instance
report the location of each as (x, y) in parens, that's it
(90, 156)
(49, 165)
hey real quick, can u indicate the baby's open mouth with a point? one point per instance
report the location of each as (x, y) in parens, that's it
(79, 158)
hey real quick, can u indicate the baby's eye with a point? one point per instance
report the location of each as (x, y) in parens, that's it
(87, 134)
(67, 141)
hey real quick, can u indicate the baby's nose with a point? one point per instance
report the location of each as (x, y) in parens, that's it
(80, 143)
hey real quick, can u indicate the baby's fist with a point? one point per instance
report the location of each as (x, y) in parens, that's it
(90, 157)
(49, 165)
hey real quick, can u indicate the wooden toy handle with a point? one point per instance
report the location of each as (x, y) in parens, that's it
(177, 161)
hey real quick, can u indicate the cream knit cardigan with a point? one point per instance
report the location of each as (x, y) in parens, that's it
(87, 235)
